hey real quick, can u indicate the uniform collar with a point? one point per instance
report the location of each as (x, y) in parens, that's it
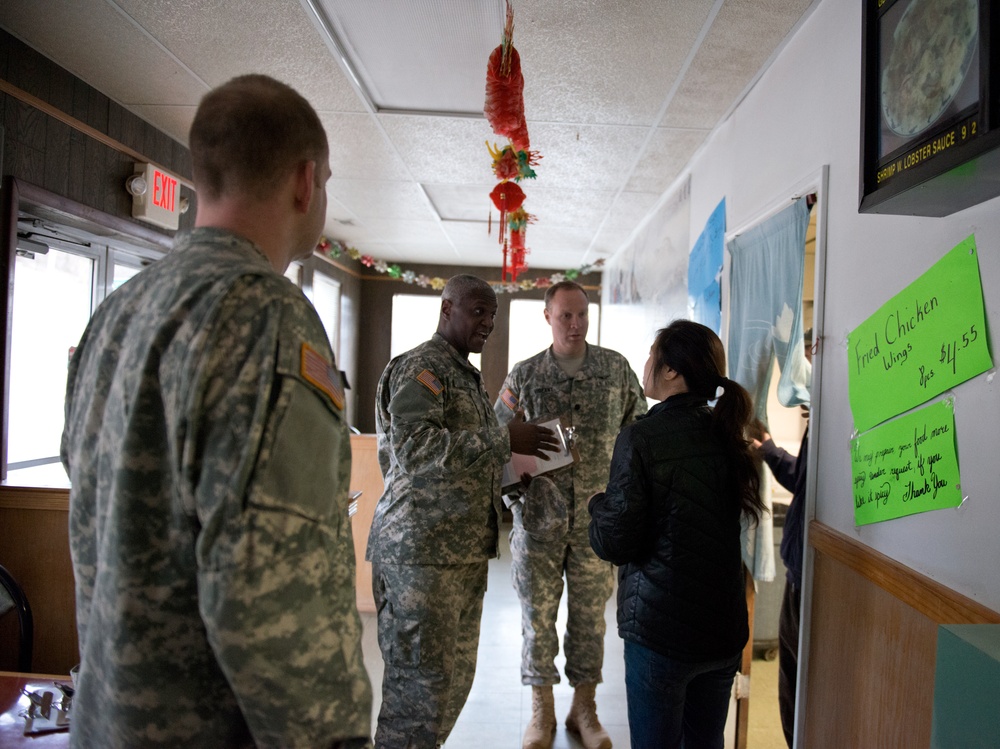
(215, 236)
(585, 369)
(440, 341)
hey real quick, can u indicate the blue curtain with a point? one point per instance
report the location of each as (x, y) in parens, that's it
(765, 308)
(765, 322)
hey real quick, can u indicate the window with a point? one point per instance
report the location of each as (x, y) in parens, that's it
(414, 320)
(326, 300)
(55, 293)
(530, 333)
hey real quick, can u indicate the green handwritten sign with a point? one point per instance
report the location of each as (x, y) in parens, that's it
(907, 466)
(928, 338)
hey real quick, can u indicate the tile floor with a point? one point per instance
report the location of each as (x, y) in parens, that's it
(499, 707)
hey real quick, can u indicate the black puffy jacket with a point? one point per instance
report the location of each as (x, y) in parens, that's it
(671, 520)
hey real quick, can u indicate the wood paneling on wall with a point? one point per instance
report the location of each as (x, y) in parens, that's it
(48, 152)
(35, 531)
(873, 646)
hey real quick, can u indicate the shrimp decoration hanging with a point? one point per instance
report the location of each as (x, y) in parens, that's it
(505, 89)
(504, 109)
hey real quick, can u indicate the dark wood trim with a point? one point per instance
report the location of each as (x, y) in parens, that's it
(82, 127)
(8, 251)
(935, 601)
(68, 211)
(33, 498)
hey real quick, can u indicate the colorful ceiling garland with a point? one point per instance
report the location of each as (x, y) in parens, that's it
(335, 250)
(504, 109)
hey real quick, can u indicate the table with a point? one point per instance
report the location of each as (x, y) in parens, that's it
(13, 703)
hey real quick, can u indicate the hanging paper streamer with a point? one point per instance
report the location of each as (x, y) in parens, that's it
(505, 89)
(504, 109)
(335, 249)
(516, 260)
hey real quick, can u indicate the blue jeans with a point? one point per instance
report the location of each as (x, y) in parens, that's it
(673, 704)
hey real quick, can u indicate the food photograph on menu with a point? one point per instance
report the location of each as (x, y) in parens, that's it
(929, 68)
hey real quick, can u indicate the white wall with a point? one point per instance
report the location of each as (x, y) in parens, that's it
(802, 114)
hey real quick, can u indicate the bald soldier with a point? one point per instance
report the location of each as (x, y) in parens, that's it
(210, 458)
(594, 391)
(442, 452)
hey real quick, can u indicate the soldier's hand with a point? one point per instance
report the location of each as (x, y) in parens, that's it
(531, 439)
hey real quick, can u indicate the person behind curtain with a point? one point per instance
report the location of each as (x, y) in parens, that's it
(210, 458)
(437, 523)
(682, 478)
(790, 471)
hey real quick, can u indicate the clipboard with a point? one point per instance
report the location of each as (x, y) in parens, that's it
(521, 464)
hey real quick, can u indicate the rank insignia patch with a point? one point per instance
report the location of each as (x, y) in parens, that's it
(429, 381)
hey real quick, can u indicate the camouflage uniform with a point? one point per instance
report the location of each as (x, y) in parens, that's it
(441, 452)
(598, 401)
(209, 458)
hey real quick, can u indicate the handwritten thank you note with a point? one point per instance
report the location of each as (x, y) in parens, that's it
(926, 339)
(907, 466)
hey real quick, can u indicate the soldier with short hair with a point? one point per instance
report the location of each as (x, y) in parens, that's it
(594, 391)
(209, 455)
(436, 525)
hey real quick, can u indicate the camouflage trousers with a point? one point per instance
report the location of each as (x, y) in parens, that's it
(428, 632)
(537, 570)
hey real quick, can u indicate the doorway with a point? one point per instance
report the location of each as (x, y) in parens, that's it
(786, 426)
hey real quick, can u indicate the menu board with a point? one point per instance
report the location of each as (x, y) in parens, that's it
(928, 72)
(927, 102)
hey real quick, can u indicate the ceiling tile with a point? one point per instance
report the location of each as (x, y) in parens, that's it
(742, 38)
(359, 149)
(101, 46)
(221, 40)
(442, 149)
(630, 208)
(668, 153)
(603, 62)
(374, 199)
(585, 157)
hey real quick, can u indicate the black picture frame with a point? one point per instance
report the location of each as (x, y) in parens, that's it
(936, 153)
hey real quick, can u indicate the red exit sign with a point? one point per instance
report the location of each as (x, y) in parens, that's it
(159, 203)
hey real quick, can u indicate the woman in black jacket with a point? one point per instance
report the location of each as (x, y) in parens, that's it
(682, 479)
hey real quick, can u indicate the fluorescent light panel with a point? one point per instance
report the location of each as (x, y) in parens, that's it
(415, 56)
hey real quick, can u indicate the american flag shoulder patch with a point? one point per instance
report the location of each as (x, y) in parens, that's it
(509, 399)
(317, 370)
(429, 381)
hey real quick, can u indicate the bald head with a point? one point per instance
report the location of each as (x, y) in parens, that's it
(468, 308)
(463, 285)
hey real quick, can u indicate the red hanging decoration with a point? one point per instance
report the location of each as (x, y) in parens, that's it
(511, 164)
(504, 108)
(507, 197)
(517, 222)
